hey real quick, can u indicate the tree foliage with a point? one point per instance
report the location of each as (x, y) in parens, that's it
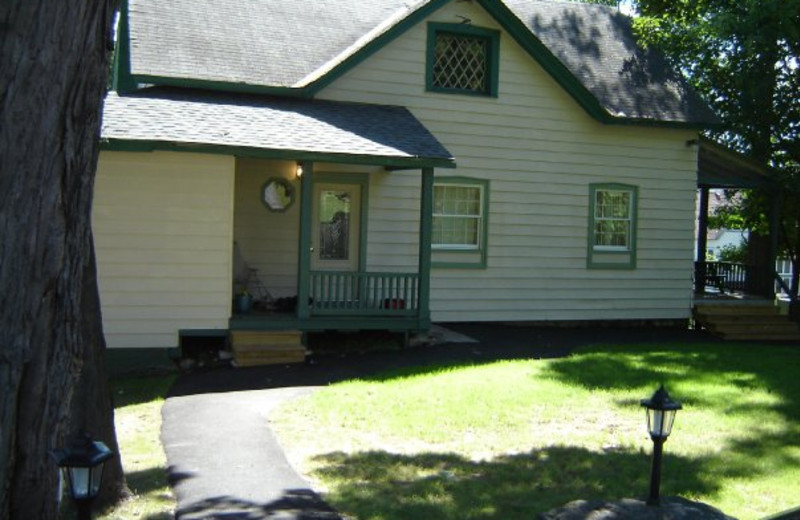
(744, 57)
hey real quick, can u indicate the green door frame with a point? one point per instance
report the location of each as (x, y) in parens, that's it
(425, 232)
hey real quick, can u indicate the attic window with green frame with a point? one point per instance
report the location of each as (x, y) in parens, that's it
(612, 226)
(462, 59)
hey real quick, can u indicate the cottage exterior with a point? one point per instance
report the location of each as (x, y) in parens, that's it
(462, 161)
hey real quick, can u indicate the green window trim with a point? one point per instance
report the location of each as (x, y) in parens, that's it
(610, 256)
(489, 37)
(464, 256)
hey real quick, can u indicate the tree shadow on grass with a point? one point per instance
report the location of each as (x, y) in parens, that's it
(743, 366)
(380, 485)
(297, 504)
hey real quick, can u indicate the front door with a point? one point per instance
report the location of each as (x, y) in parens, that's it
(336, 227)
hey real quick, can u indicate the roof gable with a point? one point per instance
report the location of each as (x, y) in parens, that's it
(297, 47)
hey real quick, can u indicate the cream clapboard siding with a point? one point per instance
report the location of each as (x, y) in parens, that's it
(267, 240)
(540, 151)
(163, 225)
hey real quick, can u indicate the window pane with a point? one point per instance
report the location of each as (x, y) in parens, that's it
(457, 217)
(612, 218)
(334, 225)
(460, 62)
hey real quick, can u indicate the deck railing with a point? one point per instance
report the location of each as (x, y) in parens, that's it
(728, 277)
(364, 294)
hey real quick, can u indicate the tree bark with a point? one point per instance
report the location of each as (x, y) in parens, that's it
(54, 57)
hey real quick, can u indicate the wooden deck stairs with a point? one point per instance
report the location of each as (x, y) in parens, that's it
(751, 322)
(267, 347)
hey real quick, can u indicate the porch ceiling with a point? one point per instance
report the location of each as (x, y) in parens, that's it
(242, 124)
(721, 167)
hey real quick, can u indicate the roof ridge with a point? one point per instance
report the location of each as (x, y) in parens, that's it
(367, 38)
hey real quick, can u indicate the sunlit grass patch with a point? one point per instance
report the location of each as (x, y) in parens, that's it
(137, 417)
(508, 439)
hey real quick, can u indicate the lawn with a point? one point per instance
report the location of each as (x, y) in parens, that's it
(514, 438)
(137, 418)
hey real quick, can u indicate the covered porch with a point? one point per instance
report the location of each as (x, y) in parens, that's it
(722, 168)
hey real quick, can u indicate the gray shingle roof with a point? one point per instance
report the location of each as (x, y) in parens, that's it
(185, 116)
(596, 43)
(257, 42)
(291, 43)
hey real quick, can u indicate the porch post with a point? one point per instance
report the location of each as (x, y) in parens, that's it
(304, 260)
(774, 229)
(702, 243)
(425, 235)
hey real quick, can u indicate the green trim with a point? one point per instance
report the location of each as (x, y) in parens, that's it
(425, 234)
(628, 257)
(304, 262)
(483, 250)
(362, 180)
(121, 80)
(126, 81)
(375, 45)
(322, 323)
(491, 36)
(134, 145)
(202, 333)
(224, 86)
(563, 76)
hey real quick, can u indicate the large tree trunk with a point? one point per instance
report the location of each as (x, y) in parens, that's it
(54, 57)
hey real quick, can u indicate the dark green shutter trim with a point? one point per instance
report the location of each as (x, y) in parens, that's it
(490, 35)
(425, 235)
(629, 262)
(483, 252)
(412, 163)
(362, 180)
(121, 80)
(241, 88)
(375, 45)
(304, 240)
(563, 76)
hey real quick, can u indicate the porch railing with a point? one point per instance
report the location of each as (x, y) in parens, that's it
(729, 277)
(364, 294)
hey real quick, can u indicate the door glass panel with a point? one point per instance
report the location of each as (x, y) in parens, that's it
(334, 224)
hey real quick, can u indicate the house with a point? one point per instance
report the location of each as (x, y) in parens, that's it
(389, 163)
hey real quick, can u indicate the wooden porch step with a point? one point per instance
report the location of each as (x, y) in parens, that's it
(761, 322)
(267, 347)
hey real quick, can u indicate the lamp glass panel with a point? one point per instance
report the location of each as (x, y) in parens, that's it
(97, 477)
(79, 481)
(659, 422)
(669, 418)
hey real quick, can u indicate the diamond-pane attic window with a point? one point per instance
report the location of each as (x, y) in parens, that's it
(462, 59)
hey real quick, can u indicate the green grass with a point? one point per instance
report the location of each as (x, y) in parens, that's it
(511, 439)
(137, 417)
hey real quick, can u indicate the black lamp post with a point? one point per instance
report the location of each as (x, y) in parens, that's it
(82, 463)
(661, 412)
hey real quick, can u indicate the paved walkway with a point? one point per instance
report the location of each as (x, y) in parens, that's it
(224, 462)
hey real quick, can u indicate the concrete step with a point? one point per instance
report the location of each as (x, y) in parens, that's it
(255, 348)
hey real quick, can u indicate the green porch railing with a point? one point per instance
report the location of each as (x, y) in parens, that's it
(364, 294)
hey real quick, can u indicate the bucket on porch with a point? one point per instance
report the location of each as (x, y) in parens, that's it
(243, 303)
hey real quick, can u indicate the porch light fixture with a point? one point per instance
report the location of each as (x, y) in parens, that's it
(299, 170)
(661, 411)
(82, 465)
